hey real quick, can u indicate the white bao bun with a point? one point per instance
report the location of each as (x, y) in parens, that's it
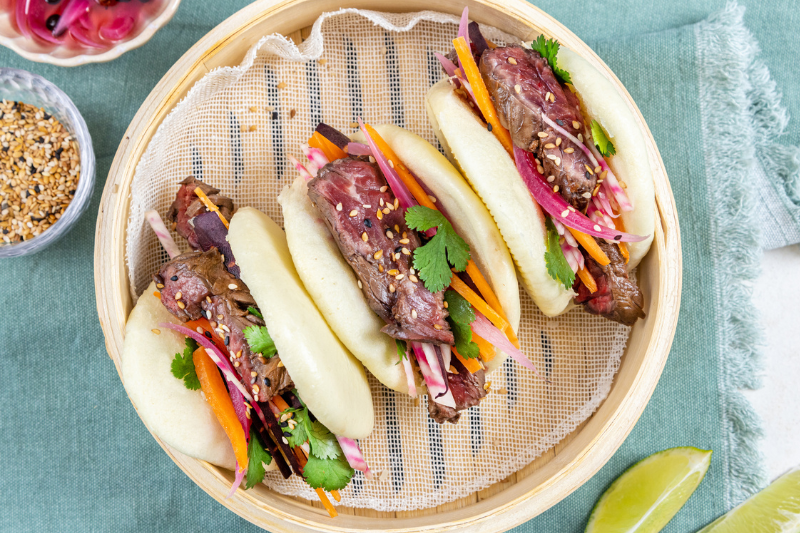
(493, 175)
(180, 417)
(603, 103)
(329, 379)
(469, 217)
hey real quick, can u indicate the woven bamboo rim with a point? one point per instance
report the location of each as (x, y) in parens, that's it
(521, 496)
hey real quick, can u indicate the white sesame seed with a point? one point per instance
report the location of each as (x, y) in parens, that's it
(512, 60)
(378, 254)
(555, 189)
(557, 161)
(406, 251)
(353, 213)
(391, 164)
(551, 179)
(404, 241)
(360, 285)
(371, 159)
(569, 150)
(540, 169)
(552, 157)
(437, 326)
(432, 198)
(576, 124)
(580, 137)
(589, 169)
(596, 227)
(367, 206)
(389, 234)
(547, 96)
(518, 88)
(391, 287)
(364, 237)
(233, 286)
(384, 188)
(339, 206)
(199, 330)
(413, 313)
(549, 145)
(598, 168)
(156, 331)
(558, 141)
(399, 277)
(565, 213)
(178, 295)
(381, 202)
(284, 440)
(413, 278)
(587, 195)
(253, 374)
(542, 135)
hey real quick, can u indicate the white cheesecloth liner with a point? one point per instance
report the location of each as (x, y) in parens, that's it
(234, 130)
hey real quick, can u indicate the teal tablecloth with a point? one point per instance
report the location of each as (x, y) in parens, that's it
(73, 453)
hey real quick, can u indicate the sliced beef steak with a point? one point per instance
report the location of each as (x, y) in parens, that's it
(523, 87)
(617, 297)
(356, 203)
(187, 206)
(467, 391)
(195, 285)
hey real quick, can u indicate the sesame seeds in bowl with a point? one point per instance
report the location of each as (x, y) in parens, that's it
(47, 164)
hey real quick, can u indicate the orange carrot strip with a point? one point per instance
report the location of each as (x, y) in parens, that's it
(590, 245)
(500, 323)
(210, 205)
(336, 495)
(484, 288)
(623, 247)
(217, 397)
(157, 295)
(482, 97)
(488, 351)
(408, 180)
(326, 503)
(470, 364)
(315, 141)
(203, 324)
(587, 280)
(335, 151)
(280, 403)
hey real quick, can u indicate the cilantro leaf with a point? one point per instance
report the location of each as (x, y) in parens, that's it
(446, 248)
(257, 457)
(557, 265)
(601, 140)
(548, 49)
(259, 340)
(298, 435)
(328, 474)
(255, 312)
(401, 351)
(183, 367)
(461, 316)
(323, 443)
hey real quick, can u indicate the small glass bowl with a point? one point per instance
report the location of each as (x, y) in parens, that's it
(22, 86)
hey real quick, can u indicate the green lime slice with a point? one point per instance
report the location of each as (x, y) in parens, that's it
(775, 509)
(648, 494)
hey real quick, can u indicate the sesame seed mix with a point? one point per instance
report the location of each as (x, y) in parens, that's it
(576, 124)
(39, 171)
(542, 135)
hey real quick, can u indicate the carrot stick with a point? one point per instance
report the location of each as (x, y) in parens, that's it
(483, 286)
(470, 364)
(327, 503)
(217, 397)
(336, 495)
(210, 205)
(500, 323)
(623, 247)
(482, 97)
(590, 245)
(488, 351)
(408, 180)
(157, 294)
(315, 141)
(280, 403)
(587, 279)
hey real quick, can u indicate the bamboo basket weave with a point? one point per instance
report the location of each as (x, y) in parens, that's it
(522, 495)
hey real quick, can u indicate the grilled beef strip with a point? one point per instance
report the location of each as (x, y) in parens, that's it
(196, 284)
(353, 198)
(187, 205)
(520, 111)
(617, 297)
(467, 391)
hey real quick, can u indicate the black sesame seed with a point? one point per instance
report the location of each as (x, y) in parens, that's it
(5, 148)
(37, 188)
(51, 22)
(367, 222)
(47, 116)
(398, 249)
(33, 169)
(207, 334)
(58, 153)
(227, 340)
(617, 237)
(267, 382)
(52, 2)
(174, 278)
(489, 126)
(560, 122)
(588, 175)
(284, 424)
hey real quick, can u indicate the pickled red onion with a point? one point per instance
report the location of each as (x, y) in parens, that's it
(354, 456)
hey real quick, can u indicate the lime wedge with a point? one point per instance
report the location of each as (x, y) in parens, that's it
(775, 509)
(648, 494)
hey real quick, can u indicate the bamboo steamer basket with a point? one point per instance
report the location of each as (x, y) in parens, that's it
(522, 495)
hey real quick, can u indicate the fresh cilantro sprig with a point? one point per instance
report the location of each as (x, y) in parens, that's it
(557, 265)
(257, 457)
(327, 474)
(401, 351)
(183, 366)
(460, 318)
(260, 341)
(326, 468)
(255, 312)
(601, 140)
(446, 248)
(548, 49)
